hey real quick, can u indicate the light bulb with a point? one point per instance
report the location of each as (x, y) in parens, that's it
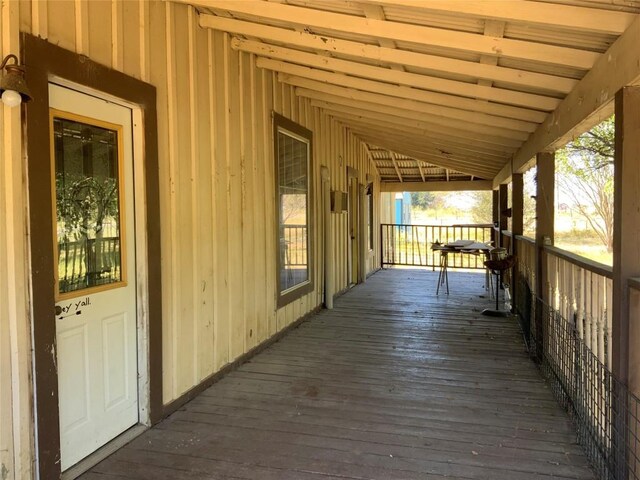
(11, 98)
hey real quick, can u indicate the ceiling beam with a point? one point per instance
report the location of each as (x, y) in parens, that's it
(323, 43)
(435, 186)
(468, 166)
(290, 73)
(524, 12)
(401, 119)
(419, 163)
(407, 136)
(589, 103)
(415, 109)
(416, 80)
(370, 157)
(395, 165)
(464, 167)
(432, 133)
(309, 18)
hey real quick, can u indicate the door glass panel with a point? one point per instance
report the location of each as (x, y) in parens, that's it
(87, 186)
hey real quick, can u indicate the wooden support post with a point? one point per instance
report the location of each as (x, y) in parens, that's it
(503, 205)
(545, 203)
(626, 232)
(517, 204)
(626, 262)
(517, 211)
(495, 217)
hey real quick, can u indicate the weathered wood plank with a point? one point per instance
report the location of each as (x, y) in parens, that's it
(393, 383)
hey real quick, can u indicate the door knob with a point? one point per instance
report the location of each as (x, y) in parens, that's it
(58, 309)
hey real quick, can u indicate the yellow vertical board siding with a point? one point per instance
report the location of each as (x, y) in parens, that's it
(16, 427)
(258, 119)
(100, 34)
(249, 206)
(269, 79)
(205, 220)
(61, 24)
(133, 29)
(217, 170)
(159, 77)
(221, 174)
(234, 182)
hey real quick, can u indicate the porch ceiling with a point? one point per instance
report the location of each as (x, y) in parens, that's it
(463, 87)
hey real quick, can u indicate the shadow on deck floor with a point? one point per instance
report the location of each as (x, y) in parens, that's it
(394, 383)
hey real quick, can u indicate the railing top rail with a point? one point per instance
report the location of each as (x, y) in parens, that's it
(634, 283)
(595, 267)
(478, 225)
(524, 238)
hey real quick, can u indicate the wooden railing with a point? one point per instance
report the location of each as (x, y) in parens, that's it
(411, 244)
(580, 290)
(294, 244)
(526, 252)
(88, 262)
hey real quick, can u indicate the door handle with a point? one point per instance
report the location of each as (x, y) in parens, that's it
(58, 309)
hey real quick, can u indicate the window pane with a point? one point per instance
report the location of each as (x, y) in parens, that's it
(87, 205)
(293, 194)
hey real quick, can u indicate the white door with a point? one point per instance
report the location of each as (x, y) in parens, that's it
(94, 250)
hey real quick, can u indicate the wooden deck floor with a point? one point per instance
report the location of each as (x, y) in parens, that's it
(394, 383)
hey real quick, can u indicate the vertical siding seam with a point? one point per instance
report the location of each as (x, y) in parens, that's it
(195, 210)
(82, 27)
(212, 126)
(117, 35)
(144, 40)
(171, 115)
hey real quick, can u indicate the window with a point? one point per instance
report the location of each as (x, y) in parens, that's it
(370, 214)
(88, 205)
(292, 145)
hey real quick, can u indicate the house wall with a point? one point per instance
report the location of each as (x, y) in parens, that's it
(217, 196)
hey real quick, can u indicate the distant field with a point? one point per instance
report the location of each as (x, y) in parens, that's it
(572, 232)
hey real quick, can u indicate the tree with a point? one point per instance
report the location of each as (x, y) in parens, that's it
(422, 200)
(584, 171)
(482, 210)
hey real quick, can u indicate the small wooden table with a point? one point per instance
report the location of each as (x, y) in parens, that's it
(459, 246)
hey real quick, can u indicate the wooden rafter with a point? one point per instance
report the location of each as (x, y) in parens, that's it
(463, 41)
(419, 163)
(519, 11)
(353, 49)
(294, 57)
(435, 186)
(290, 73)
(594, 93)
(388, 115)
(418, 110)
(395, 165)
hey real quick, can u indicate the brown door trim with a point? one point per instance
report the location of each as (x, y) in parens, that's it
(43, 60)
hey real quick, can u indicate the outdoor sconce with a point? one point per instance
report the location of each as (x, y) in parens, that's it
(13, 86)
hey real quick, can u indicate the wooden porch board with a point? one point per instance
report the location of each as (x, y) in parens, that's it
(394, 383)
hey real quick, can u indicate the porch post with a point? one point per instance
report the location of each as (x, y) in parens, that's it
(495, 218)
(517, 211)
(626, 264)
(545, 201)
(502, 210)
(626, 232)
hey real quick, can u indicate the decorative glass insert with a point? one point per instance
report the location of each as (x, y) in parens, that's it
(293, 199)
(88, 205)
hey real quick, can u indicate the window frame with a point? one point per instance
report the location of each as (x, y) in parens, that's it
(282, 124)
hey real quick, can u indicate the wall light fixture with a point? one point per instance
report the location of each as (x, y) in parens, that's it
(13, 86)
